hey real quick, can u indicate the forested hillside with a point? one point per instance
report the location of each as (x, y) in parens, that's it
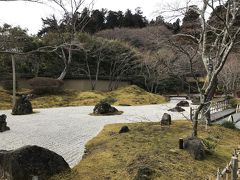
(105, 44)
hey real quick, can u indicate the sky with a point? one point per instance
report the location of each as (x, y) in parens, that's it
(28, 15)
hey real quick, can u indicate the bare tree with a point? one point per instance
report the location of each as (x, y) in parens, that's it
(214, 46)
(229, 78)
(67, 40)
(150, 38)
(71, 43)
(153, 69)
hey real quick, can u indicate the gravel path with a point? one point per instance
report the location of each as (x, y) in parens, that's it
(66, 130)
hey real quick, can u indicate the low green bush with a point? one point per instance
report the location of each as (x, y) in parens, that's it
(210, 144)
(229, 125)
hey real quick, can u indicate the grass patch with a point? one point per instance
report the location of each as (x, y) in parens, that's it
(107, 114)
(5, 99)
(111, 155)
(131, 95)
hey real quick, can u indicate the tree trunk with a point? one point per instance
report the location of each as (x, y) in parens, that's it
(63, 74)
(14, 80)
(209, 97)
(195, 120)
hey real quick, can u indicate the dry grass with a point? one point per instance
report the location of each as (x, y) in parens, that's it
(131, 95)
(5, 99)
(119, 156)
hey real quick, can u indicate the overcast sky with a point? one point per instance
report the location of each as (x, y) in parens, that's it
(28, 15)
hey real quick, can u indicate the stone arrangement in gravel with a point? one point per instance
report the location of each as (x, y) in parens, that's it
(3, 123)
(177, 109)
(31, 162)
(23, 106)
(183, 104)
(104, 108)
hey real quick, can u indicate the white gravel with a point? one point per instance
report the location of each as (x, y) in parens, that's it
(66, 130)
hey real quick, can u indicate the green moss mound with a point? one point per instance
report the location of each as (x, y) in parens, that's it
(131, 95)
(148, 146)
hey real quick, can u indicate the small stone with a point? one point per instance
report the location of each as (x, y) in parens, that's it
(183, 104)
(177, 109)
(166, 119)
(124, 105)
(124, 129)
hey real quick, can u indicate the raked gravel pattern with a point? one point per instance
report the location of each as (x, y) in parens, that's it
(67, 130)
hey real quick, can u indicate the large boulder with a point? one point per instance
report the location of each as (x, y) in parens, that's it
(104, 108)
(183, 104)
(31, 161)
(177, 109)
(195, 147)
(3, 123)
(44, 85)
(23, 106)
(166, 119)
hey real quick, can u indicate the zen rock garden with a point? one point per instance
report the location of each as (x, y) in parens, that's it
(3, 123)
(178, 107)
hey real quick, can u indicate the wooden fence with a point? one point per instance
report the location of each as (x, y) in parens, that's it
(232, 170)
(214, 107)
(219, 106)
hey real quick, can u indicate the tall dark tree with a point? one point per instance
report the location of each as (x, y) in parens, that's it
(176, 26)
(138, 19)
(96, 21)
(128, 19)
(191, 21)
(50, 24)
(112, 20)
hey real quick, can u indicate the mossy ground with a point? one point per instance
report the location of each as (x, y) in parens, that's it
(119, 156)
(131, 95)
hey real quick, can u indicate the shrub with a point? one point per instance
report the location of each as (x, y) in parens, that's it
(8, 85)
(43, 85)
(229, 125)
(109, 100)
(210, 144)
(233, 102)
